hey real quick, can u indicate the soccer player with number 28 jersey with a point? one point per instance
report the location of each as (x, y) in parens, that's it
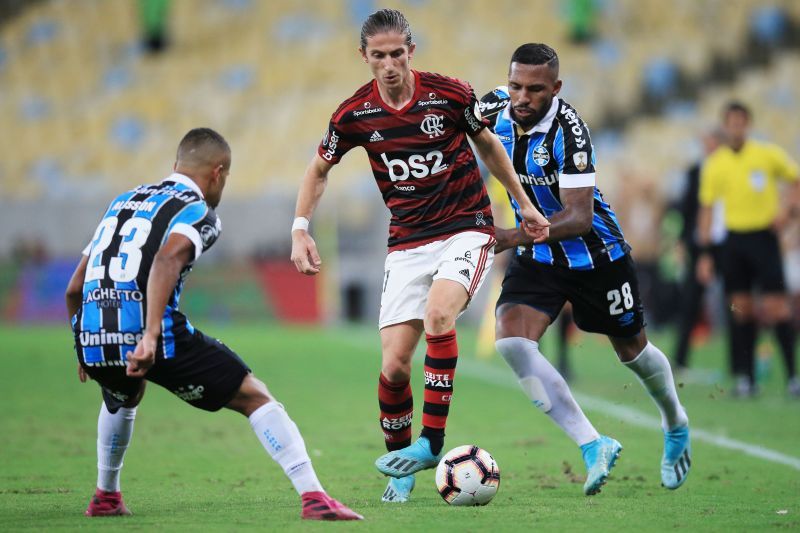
(123, 301)
(585, 260)
(414, 127)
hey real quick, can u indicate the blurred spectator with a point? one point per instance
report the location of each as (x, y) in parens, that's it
(582, 19)
(154, 15)
(745, 174)
(641, 204)
(693, 291)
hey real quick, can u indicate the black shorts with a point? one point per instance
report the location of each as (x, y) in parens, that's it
(204, 373)
(753, 260)
(604, 300)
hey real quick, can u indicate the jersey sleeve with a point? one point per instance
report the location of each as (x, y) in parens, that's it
(199, 223)
(785, 167)
(470, 119)
(710, 190)
(492, 104)
(335, 143)
(575, 153)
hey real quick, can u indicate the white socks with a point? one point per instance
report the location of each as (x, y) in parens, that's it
(282, 440)
(653, 370)
(546, 388)
(113, 435)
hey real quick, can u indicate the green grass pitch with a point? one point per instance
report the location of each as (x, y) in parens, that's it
(192, 470)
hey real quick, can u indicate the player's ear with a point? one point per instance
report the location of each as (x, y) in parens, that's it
(557, 87)
(411, 48)
(363, 54)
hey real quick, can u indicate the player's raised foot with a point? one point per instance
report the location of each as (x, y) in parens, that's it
(677, 459)
(399, 489)
(409, 460)
(600, 456)
(106, 504)
(320, 506)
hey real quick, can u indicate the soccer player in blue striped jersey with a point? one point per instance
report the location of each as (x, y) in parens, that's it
(123, 303)
(585, 260)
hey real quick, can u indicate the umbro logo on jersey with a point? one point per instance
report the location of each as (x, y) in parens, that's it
(376, 137)
(464, 273)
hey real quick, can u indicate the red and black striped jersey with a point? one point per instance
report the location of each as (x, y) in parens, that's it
(423, 164)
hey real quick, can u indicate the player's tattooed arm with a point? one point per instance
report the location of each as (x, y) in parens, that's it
(304, 250)
(168, 263)
(574, 220)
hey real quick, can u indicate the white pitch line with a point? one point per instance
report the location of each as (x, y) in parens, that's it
(505, 378)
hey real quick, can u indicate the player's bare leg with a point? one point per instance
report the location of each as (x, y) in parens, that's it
(652, 368)
(395, 399)
(114, 431)
(446, 299)
(282, 440)
(518, 330)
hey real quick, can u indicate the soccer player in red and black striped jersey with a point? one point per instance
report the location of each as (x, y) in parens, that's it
(414, 127)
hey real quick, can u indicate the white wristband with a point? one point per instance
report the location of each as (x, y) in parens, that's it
(300, 223)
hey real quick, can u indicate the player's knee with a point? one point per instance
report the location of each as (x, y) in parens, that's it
(252, 394)
(438, 321)
(397, 371)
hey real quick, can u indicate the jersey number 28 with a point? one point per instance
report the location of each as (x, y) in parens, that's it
(619, 301)
(125, 266)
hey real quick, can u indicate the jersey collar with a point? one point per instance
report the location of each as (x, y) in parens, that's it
(185, 180)
(543, 126)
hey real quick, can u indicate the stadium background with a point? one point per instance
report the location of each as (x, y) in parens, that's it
(89, 109)
(94, 98)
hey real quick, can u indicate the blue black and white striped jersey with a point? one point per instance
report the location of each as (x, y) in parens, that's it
(136, 224)
(557, 153)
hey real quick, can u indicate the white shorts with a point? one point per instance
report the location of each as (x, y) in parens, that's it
(408, 275)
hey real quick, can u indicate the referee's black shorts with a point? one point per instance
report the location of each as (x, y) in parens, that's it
(752, 260)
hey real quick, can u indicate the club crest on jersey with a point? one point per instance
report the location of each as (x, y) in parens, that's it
(432, 125)
(581, 160)
(541, 156)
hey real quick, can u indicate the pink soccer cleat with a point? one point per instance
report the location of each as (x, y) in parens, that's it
(320, 506)
(106, 504)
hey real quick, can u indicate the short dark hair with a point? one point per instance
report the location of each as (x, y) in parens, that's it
(536, 54)
(735, 106)
(201, 139)
(385, 20)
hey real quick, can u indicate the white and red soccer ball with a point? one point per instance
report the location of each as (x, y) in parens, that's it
(467, 475)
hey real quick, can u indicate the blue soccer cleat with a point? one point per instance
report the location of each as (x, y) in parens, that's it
(677, 459)
(399, 489)
(600, 455)
(409, 460)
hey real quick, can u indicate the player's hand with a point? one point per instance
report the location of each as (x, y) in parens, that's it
(535, 224)
(781, 221)
(704, 269)
(143, 357)
(304, 253)
(510, 238)
(82, 376)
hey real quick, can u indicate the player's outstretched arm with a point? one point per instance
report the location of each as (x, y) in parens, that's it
(304, 250)
(168, 263)
(74, 297)
(494, 155)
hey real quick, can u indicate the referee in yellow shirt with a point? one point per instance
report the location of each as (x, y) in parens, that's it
(745, 175)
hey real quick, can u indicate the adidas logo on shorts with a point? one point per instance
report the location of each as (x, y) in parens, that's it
(376, 137)
(464, 273)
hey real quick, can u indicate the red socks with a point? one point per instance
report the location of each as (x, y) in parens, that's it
(397, 408)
